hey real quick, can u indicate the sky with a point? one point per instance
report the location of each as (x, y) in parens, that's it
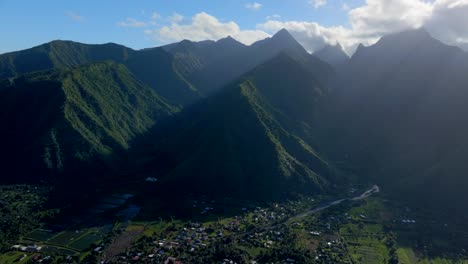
(148, 23)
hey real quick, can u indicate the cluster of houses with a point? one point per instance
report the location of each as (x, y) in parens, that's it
(266, 239)
(408, 221)
(188, 239)
(331, 252)
(265, 217)
(36, 257)
(30, 248)
(249, 228)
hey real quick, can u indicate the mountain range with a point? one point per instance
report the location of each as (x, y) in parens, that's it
(264, 121)
(249, 140)
(397, 114)
(66, 121)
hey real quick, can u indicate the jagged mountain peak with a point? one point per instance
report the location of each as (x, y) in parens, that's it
(410, 34)
(283, 34)
(183, 46)
(333, 55)
(229, 41)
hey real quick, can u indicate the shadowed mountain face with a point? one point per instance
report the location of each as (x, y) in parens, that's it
(212, 65)
(397, 114)
(152, 66)
(72, 117)
(72, 122)
(248, 141)
(333, 55)
(272, 118)
(59, 54)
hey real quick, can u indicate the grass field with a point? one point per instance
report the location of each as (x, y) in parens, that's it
(407, 256)
(14, 258)
(58, 250)
(85, 242)
(64, 238)
(366, 240)
(367, 250)
(39, 235)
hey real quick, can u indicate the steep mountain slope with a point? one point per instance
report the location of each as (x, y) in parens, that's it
(333, 55)
(156, 68)
(67, 121)
(59, 54)
(210, 66)
(249, 141)
(153, 66)
(397, 116)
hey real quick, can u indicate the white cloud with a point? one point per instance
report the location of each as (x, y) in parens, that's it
(345, 7)
(275, 16)
(75, 17)
(379, 17)
(248, 37)
(312, 35)
(176, 18)
(444, 19)
(202, 27)
(131, 22)
(253, 6)
(449, 22)
(155, 16)
(318, 3)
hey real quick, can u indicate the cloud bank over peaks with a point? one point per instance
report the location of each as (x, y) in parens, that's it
(205, 27)
(446, 20)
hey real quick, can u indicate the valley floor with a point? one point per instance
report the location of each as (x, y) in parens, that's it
(366, 229)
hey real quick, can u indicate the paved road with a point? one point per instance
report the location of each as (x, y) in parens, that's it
(374, 189)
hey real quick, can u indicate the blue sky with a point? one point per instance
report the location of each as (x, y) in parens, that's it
(29, 23)
(148, 23)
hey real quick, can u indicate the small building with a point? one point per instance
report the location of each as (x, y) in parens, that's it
(151, 179)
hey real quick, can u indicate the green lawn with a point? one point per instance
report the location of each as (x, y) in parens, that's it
(407, 256)
(58, 250)
(39, 235)
(12, 257)
(86, 241)
(65, 238)
(367, 250)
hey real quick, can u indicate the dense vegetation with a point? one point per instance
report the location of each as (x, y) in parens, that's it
(152, 66)
(396, 116)
(186, 125)
(212, 65)
(209, 150)
(22, 209)
(68, 121)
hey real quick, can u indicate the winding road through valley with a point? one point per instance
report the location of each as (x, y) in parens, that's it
(374, 189)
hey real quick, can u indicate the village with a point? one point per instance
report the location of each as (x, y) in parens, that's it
(258, 230)
(228, 231)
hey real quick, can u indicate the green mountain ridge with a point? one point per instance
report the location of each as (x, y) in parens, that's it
(66, 121)
(210, 66)
(396, 115)
(152, 66)
(243, 142)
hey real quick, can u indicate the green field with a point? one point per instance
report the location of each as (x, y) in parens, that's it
(85, 242)
(58, 250)
(13, 257)
(64, 238)
(407, 256)
(39, 235)
(367, 250)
